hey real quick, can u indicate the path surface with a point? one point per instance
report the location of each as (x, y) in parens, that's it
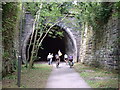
(65, 77)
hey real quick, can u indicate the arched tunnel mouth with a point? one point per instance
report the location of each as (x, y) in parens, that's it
(52, 44)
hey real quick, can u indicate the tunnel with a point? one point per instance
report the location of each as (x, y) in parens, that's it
(51, 45)
(65, 44)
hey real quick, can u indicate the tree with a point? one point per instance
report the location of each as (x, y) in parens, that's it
(47, 15)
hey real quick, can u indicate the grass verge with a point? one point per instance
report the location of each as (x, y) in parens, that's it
(35, 78)
(97, 78)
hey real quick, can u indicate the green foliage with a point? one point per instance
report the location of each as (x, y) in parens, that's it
(65, 7)
(5, 55)
(49, 12)
(10, 20)
(11, 76)
(96, 77)
(55, 34)
(117, 10)
(95, 14)
(31, 7)
(37, 77)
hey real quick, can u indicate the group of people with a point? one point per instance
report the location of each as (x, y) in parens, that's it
(67, 59)
(57, 57)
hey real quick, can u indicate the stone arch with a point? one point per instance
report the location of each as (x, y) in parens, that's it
(73, 40)
(69, 37)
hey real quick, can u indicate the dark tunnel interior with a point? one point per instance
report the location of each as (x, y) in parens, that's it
(51, 45)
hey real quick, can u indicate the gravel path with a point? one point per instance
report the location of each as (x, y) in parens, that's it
(65, 77)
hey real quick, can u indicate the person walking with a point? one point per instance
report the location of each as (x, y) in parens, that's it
(57, 58)
(49, 58)
(66, 58)
(71, 61)
(59, 53)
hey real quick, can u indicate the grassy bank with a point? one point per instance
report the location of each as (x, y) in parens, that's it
(97, 78)
(35, 78)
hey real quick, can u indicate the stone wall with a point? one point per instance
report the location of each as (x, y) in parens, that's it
(72, 36)
(100, 47)
(10, 36)
(27, 31)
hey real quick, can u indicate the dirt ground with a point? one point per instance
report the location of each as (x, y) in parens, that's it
(35, 78)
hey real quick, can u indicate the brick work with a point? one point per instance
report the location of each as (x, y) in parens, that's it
(100, 48)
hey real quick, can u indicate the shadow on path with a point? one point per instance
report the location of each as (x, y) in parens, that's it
(65, 77)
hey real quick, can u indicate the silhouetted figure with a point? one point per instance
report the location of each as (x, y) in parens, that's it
(57, 58)
(49, 58)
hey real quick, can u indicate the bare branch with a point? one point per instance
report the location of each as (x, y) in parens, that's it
(32, 52)
(50, 29)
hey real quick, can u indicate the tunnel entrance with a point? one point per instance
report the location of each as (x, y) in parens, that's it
(51, 45)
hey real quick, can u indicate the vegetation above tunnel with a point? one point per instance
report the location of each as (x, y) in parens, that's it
(94, 13)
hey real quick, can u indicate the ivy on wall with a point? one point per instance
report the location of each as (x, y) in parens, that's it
(95, 14)
(10, 21)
